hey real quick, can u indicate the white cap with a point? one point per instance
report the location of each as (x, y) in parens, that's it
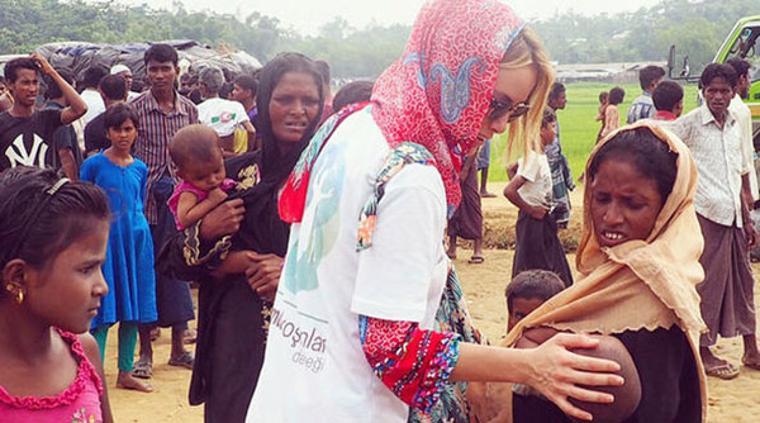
(117, 69)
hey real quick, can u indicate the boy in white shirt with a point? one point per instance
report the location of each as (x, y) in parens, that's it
(223, 116)
(530, 189)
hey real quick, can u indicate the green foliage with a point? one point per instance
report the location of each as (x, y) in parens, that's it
(26, 24)
(578, 125)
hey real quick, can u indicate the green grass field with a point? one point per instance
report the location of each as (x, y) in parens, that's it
(578, 127)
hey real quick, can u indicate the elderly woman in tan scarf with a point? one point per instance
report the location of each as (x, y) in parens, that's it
(638, 259)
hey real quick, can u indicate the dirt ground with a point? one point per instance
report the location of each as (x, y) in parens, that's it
(729, 401)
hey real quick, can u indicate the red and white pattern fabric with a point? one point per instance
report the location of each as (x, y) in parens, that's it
(439, 92)
(412, 362)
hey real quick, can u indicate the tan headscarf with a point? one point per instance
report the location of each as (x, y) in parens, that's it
(639, 284)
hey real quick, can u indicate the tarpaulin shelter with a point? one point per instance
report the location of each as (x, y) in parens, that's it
(78, 56)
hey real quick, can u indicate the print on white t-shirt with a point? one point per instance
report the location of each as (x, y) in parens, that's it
(221, 115)
(314, 368)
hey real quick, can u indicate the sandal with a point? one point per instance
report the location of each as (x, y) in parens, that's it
(724, 371)
(476, 260)
(143, 370)
(185, 360)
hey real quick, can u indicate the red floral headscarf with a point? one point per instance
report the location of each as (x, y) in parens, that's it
(439, 92)
(436, 95)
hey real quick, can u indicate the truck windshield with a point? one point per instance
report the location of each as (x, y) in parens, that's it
(747, 46)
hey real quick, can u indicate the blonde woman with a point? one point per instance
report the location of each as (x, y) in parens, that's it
(353, 334)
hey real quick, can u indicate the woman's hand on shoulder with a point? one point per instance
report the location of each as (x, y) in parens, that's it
(223, 220)
(558, 373)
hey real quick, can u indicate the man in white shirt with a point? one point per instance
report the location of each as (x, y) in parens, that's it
(744, 118)
(713, 135)
(223, 116)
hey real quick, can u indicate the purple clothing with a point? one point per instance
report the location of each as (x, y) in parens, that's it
(226, 185)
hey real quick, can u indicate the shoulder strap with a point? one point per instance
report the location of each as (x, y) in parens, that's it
(406, 153)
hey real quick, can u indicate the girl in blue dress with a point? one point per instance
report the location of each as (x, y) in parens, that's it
(129, 266)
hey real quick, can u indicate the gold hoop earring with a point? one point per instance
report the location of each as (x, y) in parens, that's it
(17, 291)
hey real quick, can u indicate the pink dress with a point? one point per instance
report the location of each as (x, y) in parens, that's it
(226, 185)
(79, 403)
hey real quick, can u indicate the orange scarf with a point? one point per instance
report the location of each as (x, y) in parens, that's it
(641, 284)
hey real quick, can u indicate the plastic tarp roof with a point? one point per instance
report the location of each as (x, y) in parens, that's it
(78, 56)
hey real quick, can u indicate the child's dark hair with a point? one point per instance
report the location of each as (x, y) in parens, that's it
(37, 222)
(718, 70)
(541, 284)
(353, 92)
(557, 90)
(604, 96)
(113, 87)
(193, 143)
(617, 95)
(649, 74)
(226, 90)
(161, 53)
(11, 68)
(667, 95)
(117, 114)
(640, 147)
(92, 77)
(549, 117)
(247, 82)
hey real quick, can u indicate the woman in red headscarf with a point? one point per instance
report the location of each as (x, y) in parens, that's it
(353, 334)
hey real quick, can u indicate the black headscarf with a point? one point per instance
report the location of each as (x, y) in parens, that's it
(277, 166)
(262, 230)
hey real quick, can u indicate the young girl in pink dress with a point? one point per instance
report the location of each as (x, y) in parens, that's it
(55, 234)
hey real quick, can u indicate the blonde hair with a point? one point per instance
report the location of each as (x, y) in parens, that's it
(528, 50)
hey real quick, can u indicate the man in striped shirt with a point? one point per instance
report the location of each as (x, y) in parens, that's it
(162, 111)
(643, 107)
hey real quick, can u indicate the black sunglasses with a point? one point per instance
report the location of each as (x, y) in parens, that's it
(500, 108)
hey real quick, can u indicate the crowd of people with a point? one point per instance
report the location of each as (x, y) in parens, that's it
(316, 229)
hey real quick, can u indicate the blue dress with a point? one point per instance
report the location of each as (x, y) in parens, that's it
(129, 266)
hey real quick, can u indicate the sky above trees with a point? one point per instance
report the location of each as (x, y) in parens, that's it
(307, 17)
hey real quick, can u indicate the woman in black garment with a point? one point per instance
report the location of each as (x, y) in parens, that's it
(233, 310)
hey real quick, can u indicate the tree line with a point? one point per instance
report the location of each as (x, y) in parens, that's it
(696, 27)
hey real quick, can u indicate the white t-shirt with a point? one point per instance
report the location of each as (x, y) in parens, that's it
(314, 368)
(221, 115)
(537, 189)
(95, 105)
(744, 119)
